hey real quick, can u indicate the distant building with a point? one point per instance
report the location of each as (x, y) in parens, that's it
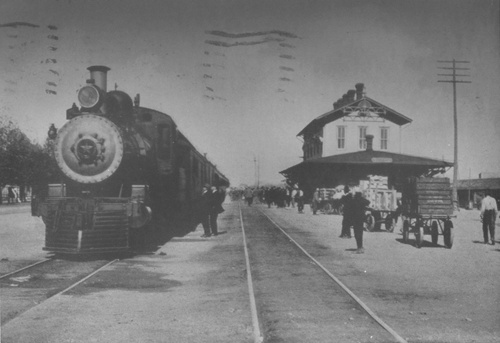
(471, 192)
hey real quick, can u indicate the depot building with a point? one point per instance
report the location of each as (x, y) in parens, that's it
(358, 138)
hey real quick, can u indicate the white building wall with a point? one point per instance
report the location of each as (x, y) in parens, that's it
(330, 144)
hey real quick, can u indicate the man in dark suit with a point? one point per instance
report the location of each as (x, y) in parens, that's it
(205, 206)
(347, 220)
(358, 209)
(216, 199)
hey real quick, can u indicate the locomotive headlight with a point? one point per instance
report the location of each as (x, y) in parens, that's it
(88, 96)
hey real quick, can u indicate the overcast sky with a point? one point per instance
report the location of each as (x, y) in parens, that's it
(241, 78)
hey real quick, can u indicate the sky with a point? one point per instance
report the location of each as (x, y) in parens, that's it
(242, 78)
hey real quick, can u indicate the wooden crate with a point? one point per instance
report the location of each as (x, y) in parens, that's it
(428, 197)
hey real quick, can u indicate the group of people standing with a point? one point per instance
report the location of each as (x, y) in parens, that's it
(211, 206)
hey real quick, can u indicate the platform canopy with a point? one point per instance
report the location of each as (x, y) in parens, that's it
(334, 170)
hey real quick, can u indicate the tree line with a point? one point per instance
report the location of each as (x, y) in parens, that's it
(22, 162)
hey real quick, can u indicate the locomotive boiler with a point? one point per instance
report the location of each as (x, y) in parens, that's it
(125, 171)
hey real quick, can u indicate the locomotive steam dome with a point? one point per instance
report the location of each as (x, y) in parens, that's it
(89, 148)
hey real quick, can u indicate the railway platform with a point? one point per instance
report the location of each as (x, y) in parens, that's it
(195, 289)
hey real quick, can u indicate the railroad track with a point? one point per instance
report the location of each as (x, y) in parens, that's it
(264, 295)
(32, 285)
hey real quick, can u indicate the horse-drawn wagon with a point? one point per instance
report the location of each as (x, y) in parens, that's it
(427, 209)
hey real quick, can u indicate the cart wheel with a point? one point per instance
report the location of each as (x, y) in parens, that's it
(434, 232)
(448, 237)
(406, 231)
(419, 236)
(369, 222)
(389, 224)
(327, 208)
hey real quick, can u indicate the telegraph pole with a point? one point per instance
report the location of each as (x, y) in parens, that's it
(454, 81)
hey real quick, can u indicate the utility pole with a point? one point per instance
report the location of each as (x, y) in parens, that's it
(454, 81)
(256, 171)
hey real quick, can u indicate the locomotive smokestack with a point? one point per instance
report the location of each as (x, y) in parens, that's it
(100, 76)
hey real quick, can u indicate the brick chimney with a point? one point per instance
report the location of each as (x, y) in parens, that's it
(350, 95)
(360, 89)
(369, 142)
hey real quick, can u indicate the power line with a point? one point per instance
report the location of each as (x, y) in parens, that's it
(454, 81)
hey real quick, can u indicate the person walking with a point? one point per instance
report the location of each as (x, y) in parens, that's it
(205, 207)
(489, 211)
(248, 196)
(347, 218)
(299, 198)
(316, 200)
(358, 209)
(293, 196)
(12, 195)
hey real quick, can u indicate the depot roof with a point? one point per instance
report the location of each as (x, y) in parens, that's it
(479, 184)
(371, 159)
(388, 114)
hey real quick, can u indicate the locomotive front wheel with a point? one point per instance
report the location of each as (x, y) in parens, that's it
(406, 231)
(369, 223)
(434, 232)
(448, 237)
(419, 237)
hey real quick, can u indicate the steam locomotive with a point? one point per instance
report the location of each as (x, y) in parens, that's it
(125, 170)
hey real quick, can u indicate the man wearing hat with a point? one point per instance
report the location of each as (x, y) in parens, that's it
(359, 205)
(346, 213)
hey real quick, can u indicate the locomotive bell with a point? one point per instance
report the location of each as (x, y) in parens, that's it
(89, 148)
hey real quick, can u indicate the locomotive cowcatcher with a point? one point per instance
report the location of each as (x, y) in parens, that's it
(125, 172)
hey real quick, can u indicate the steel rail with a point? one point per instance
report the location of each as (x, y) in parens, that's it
(63, 291)
(257, 335)
(24, 268)
(344, 287)
(84, 279)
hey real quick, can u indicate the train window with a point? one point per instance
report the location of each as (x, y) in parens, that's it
(164, 141)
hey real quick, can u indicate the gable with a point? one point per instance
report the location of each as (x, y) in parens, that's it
(364, 109)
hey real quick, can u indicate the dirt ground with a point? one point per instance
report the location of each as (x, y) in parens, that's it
(194, 289)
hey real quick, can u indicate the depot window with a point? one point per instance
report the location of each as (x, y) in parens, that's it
(341, 137)
(362, 137)
(384, 137)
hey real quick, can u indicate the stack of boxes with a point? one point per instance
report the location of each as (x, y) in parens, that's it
(326, 193)
(376, 190)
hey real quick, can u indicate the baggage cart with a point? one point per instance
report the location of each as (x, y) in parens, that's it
(382, 209)
(427, 210)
